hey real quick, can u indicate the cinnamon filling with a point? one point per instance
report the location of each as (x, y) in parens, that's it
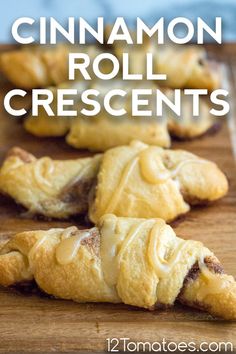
(78, 193)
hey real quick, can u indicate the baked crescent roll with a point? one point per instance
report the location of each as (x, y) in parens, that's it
(188, 126)
(186, 66)
(136, 180)
(147, 181)
(116, 131)
(139, 262)
(102, 131)
(40, 66)
(48, 187)
(82, 131)
(44, 125)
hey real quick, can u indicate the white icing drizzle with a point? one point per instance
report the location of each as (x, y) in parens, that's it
(162, 266)
(173, 172)
(43, 168)
(215, 283)
(110, 242)
(109, 245)
(39, 243)
(159, 239)
(69, 247)
(164, 251)
(123, 181)
(152, 169)
(133, 233)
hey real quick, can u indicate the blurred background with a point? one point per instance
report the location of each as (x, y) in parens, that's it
(148, 10)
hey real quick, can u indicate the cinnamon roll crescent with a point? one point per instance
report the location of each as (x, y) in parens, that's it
(140, 262)
(135, 180)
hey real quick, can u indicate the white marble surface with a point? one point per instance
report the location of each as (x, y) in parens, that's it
(149, 10)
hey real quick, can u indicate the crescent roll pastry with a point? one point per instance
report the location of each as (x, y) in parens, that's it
(44, 125)
(41, 66)
(147, 181)
(82, 131)
(102, 131)
(116, 131)
(139, 262)
(137, 180)
(185, 66)
(187, 126)
(48, 187)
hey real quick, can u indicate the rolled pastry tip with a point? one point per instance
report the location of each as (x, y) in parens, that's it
(186, 126)
(24, 69)
(53, 188)
(42, 66)
(140, 262)
(35, 66)
(190, 67)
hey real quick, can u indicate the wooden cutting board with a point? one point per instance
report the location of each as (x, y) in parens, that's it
(36, 323)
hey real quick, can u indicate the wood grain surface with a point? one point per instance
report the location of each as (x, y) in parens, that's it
(36, 323)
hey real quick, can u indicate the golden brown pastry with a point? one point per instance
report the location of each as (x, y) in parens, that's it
(147, 181)
(186, 66)
(103, 131)
(40, 66)
(44, 125)
(82, 131)
(136, 181)
(187, 126)
(116, 131)
(139, 262)
(48, 187)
